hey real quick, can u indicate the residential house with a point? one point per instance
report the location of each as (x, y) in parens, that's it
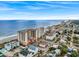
(8, 46)
(55, 46)
(33, 49)
(51, 36)
(57, 51)
(29, 52)
(43, 44)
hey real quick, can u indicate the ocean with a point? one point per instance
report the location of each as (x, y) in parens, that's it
(10, 27)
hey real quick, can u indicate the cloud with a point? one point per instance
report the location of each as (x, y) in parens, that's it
(34, 7)
(39, 17)
(69, 2)
(52, 5)
(4, 6)
(31, 5)
(38, 10)
(6, 9)
(62, 2)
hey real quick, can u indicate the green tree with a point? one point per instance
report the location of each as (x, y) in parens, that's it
(75, 38)
(40, 53)
(68, 38)
(50, 49)
(63, 50)
(74, 54)
(70, 31)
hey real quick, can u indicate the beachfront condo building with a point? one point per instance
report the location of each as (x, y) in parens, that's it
(40, 32)
(29, 36)
(26, 36)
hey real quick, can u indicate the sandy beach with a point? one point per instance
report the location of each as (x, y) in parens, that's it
(8, 38)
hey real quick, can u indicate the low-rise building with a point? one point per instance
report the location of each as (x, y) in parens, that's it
(57, 51)
(7, 46)
(43, 44)
(29, 51)
(70, 49)
(11, 45)
(62, 41)
(33, 49)
(51, 37)
(51, 55)
(3, 50)
(55, 46)
(7, 42)
(2, 55)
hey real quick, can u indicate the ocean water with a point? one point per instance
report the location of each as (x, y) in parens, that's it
(10, 27)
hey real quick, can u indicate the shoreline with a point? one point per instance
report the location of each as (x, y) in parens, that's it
(10, 37)
(7, 27)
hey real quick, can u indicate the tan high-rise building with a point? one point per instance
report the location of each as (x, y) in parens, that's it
(22, 37)
(40, 32)
(26, 37)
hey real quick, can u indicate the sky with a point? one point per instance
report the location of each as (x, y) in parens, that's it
(39, 10)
